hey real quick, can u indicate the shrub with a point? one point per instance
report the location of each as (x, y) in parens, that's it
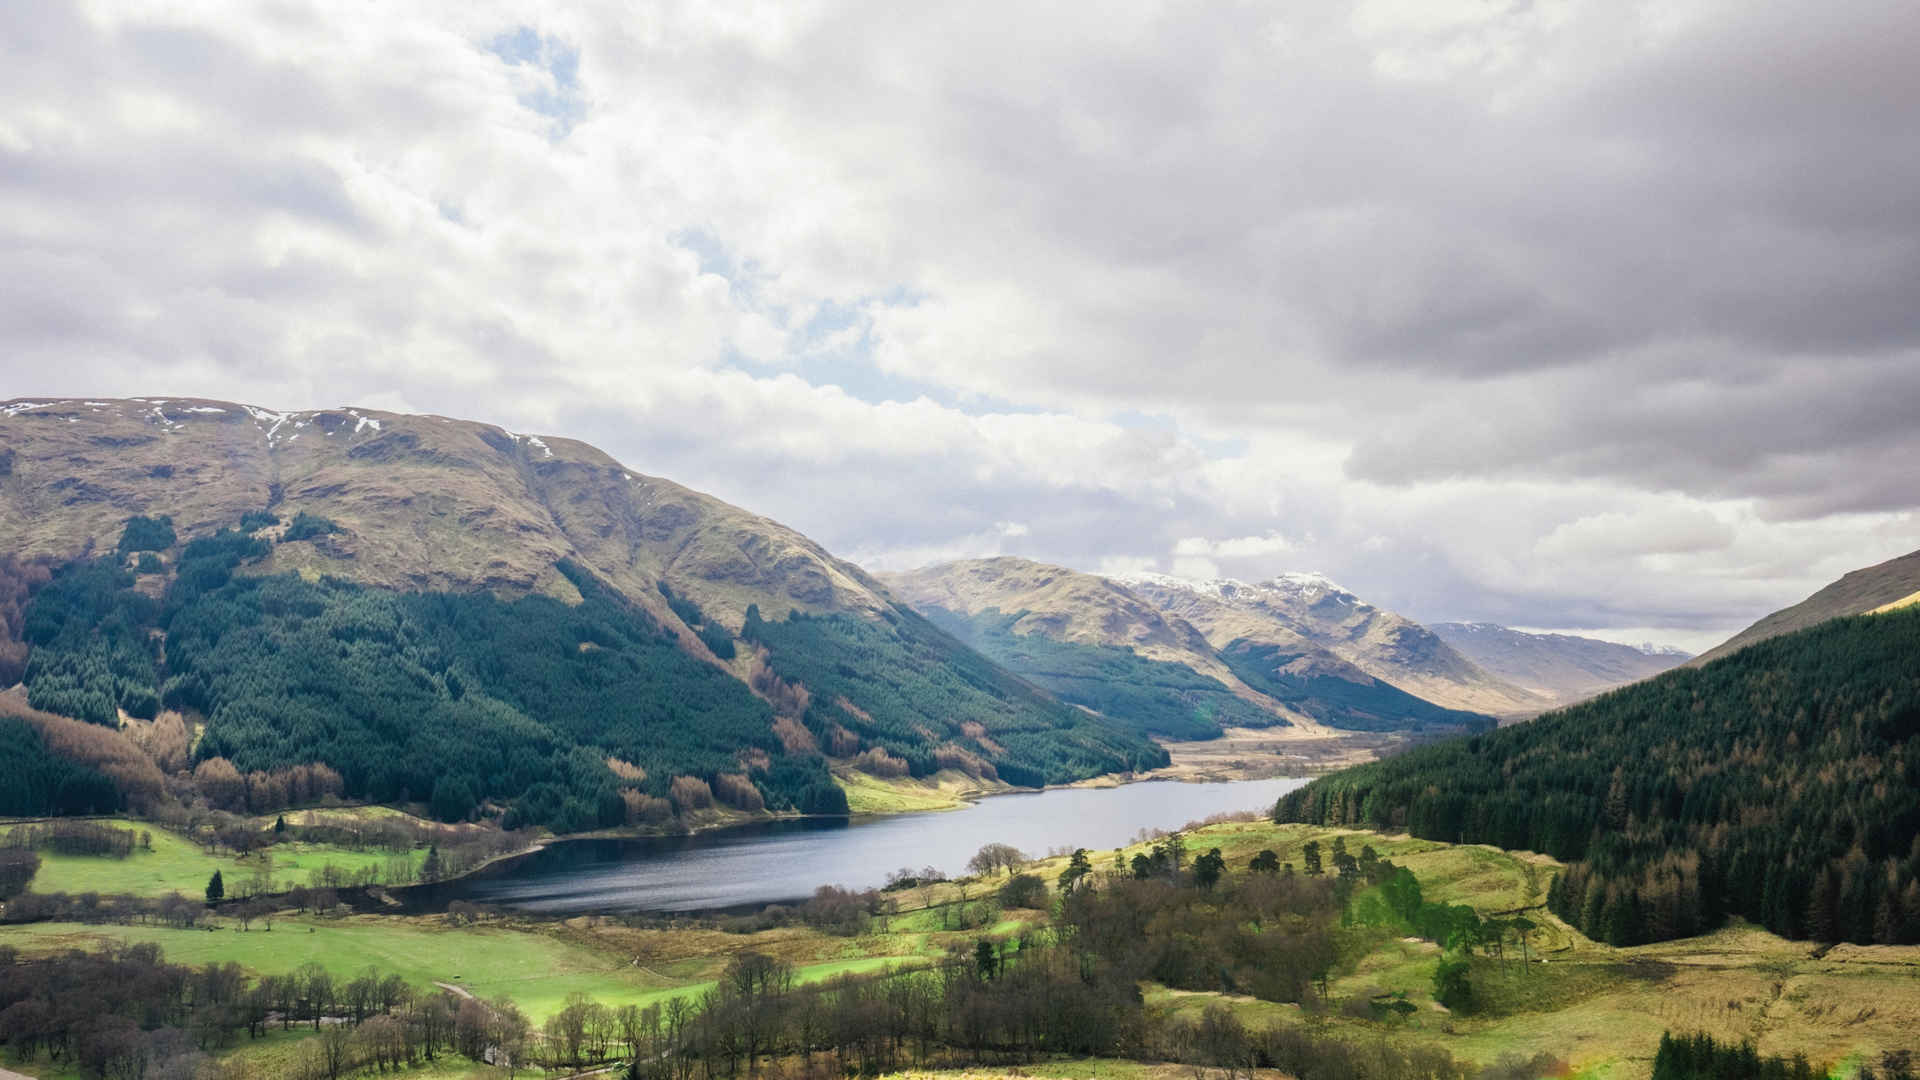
(1024, 891)
(306, 526)
(147, 534)
(17, 868)
(1451, 986)
(717, 640)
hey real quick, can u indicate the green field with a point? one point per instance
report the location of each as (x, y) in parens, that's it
(944, 790)
(536, 970)
(178, 864)
(1599, 1009)
(280, 1053)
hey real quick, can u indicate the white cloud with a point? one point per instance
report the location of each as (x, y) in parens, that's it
(1518, 312)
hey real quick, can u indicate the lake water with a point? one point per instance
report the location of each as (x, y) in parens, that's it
(787, 860)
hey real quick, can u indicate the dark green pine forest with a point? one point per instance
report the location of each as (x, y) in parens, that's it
(915, 689)
(465, 700)
(1780, 784)
(1343, 703)
(1154, 696)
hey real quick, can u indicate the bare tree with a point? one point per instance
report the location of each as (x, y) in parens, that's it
(992, 857)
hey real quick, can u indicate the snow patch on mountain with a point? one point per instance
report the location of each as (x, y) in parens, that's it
(1290, 587)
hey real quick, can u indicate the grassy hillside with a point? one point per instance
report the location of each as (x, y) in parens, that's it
(1781, 784)
(420, 503)
(172, 863)
(1857, 593)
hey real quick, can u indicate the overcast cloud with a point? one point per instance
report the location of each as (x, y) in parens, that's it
(1583, 315)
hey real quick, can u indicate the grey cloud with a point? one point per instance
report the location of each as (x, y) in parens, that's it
(1616, 260)
(1807, 438)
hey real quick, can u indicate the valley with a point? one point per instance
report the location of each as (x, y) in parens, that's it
(632, 778)
(1594, 1009)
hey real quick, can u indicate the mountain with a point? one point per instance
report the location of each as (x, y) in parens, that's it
(1889, 584)
(1096, 642)
(505, 622)
(1561, 668)
(1303, 615)
(1780, 783)
(423, 503)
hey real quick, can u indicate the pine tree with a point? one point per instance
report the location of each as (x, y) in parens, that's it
(1820, 914)
(216, 888)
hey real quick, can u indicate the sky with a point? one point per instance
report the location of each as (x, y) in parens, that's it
(1595, 316)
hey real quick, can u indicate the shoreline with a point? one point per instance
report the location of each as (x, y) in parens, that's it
(1213, 761)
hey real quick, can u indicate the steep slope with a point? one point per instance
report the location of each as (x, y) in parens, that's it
(1095, 642)
(1561, 668)
(1301, 615)
(1874, 588)
(423, 502)
(425, 600)
(1061, 604)
(1090, 642)
(1781, 783)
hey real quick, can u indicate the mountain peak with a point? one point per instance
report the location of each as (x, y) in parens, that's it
(1299, 610)
(1309, 586)
(422, 502)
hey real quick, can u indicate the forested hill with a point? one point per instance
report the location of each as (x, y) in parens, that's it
(1781, 783)
(442, 611)
(1095, 642)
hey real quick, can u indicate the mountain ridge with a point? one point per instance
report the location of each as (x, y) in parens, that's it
(1061, 603)
(1564, 668)
(1310, 611)
(1881, 586)
(1004, 605)
(417, 548)
(503, 509)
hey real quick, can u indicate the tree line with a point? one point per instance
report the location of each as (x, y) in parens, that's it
(1701, 1057)
(1781, 783)
(125, 1012)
